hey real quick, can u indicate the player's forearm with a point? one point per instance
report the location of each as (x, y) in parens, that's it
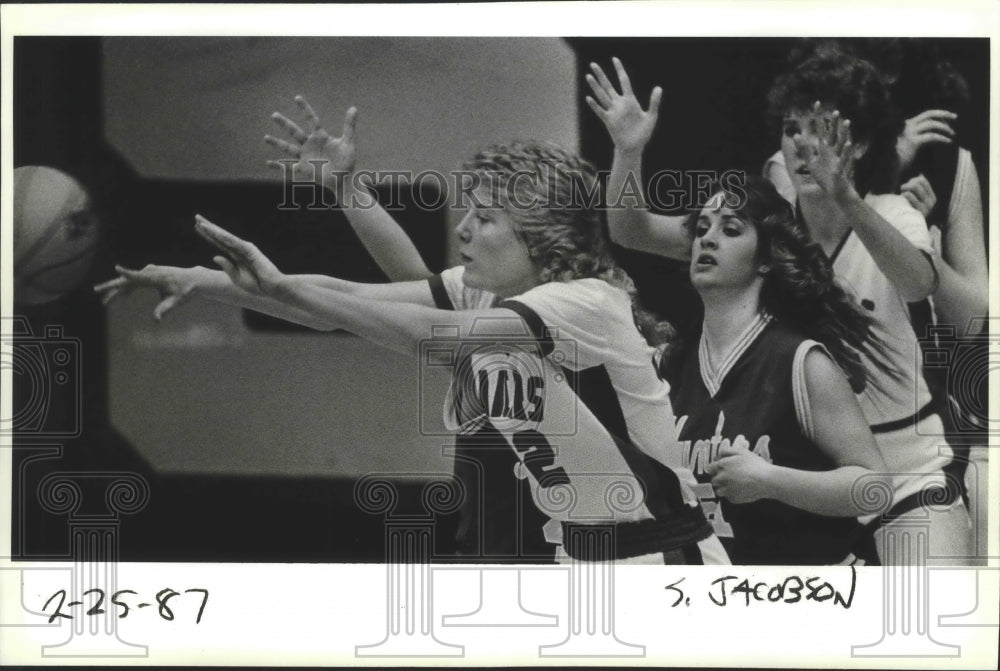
(215, 285)
(626, 198)
(381, 235)
(958, 300)
(630, 222)
(822, 492)
(398, 326)
(905, 266)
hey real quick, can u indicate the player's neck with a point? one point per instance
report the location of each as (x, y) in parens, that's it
(727, 316)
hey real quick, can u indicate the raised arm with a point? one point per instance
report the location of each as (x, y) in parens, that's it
(839, 431)
(830, 157)
(630, 222)
(313, 155)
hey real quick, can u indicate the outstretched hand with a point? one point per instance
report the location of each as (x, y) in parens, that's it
(175, 285)
(312, 153)
(828, 152)
(739, 475)
(242, 261)
(629, 125)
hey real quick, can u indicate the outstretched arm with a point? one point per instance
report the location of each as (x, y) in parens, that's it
(630, 222)
(831, 157)
(178, 285)
(397, 326)
(313, 155)
(840, 431)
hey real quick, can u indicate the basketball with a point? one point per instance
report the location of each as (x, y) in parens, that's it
(55, 234)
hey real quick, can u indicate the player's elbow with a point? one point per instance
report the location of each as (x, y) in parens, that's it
(920, 284)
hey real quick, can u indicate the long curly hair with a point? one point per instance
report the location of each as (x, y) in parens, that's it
(799, 289)
(554, 199)
(854, 87)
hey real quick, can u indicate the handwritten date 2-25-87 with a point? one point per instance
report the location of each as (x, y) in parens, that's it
(124, 601)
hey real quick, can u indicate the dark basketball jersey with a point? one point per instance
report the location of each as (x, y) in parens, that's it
(756, 401)
(498, 522)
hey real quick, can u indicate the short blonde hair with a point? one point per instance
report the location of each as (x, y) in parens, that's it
(553, 198)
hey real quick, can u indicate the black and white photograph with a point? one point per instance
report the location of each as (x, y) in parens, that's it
(377, 335)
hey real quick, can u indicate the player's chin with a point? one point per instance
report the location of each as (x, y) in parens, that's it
(474, 280)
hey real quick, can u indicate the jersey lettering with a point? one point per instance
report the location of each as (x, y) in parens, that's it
(698, 454)
(513, 397)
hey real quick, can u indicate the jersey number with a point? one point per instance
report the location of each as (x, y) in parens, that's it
(713, 509)
(539, 458)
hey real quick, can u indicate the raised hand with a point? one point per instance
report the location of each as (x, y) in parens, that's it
(318, 156)
(175, 285)
(920, 194)
(828, 152)
(245, 265)
(739, 475)
(629, 125)
(928, 127)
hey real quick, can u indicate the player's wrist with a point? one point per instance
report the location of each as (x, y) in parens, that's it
(629, 152)
(281, 287)
(845, 196)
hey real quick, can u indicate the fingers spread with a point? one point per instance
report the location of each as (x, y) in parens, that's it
(623, 78)
(602, 79)
(598, 110)
(284, 145)
(350, 119)
(602, 96)
(293, 128)
(654, 101)
(312, 119)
